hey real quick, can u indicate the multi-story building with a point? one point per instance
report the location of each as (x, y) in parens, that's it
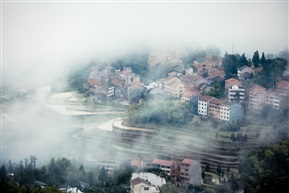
(282, 88)
(174, 87)
(139, 185)
(203, 104)
(234, 90)
(109, 165)
(220, 109)
(169, 166)
(273, 99)
(135, 90)
(231, 112)
(215, 107)
(190, 172)
(257, 96)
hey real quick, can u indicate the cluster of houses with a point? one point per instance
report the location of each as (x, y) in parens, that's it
(109, 84)
(183, 173)
(189, 83)
(277, 98)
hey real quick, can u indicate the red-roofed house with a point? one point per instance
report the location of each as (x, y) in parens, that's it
(189, 93)
(190, 172)
(282, 88)
(169, 166)
(174, 87)
(137, 163)
(139, 185)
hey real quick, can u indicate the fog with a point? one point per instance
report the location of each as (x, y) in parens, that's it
(42, 42)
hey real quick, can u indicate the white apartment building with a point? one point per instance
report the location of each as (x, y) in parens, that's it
(203, 104)
(236, 93)
(235, 90)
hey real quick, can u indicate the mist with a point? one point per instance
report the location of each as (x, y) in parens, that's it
(43, 42)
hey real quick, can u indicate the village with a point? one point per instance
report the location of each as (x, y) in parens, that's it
(186, 83)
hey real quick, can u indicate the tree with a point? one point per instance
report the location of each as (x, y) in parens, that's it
(263, 60)
(3, 173)
(233, 137)
(266, 170)
(216, 91)
(203, 175)
(102, 176)
(208, 167)
(243, 60)
(256, 58)
(170, 188)
(219, 170)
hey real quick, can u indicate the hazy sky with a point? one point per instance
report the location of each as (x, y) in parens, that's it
(45, 38)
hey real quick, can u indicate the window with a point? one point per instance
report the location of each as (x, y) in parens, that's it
(146, 188)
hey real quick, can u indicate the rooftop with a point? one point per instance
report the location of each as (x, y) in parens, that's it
(257, 87)
(233, 81)
(138, 180)
(163, 162)
(188, 161)
(282, 84)
(206, 97)
(217, 101)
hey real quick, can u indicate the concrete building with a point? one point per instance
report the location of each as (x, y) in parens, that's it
(139, 185)
(134, 90)
(215, 108)
(203, 104)
(234, 90)
(220, 109)
(282, 88)
(190, 172)
(174, 87)
(244, 69)
(169, 166)
(257, 97)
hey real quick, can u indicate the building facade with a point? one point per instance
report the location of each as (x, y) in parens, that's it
(234, 90)
(139, 185)
(203, 104)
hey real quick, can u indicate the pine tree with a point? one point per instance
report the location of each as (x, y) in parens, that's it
(263, 60)
(256, 58)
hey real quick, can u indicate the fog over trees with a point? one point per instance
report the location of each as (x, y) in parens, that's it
(59, 130)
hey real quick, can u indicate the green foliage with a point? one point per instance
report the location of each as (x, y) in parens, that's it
(231, 62)
(137, 62)
(79, 76)
(231, 127)
(271, 73)
(102, 176)
(208, 167)
(266, 170)
(161, 112)
(256, 58)
(216, 91)
(192, 105)
(170, 188)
